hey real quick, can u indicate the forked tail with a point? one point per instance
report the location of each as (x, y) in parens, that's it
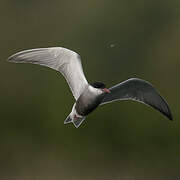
(76, 121)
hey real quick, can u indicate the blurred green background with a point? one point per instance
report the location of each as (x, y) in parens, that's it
(123, 140)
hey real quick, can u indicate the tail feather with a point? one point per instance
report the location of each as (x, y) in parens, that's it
(68, 120)
(78, 122)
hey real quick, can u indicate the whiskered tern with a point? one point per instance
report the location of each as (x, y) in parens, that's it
(89, 96)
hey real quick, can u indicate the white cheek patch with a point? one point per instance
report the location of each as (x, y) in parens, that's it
(95, 90)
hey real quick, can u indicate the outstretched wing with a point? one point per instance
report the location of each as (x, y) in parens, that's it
(61, 59)
(138, 90)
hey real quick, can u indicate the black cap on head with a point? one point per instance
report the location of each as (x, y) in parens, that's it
(99, 85)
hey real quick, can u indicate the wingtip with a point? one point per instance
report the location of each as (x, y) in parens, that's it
(170, 117)
(10, 58)
(169, 114)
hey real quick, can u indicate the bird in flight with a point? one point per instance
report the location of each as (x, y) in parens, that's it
(88, 96)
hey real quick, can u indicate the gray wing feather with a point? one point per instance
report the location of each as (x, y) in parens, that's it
(141, 91)
(60, 59)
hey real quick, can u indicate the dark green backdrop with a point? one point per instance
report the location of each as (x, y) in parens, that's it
(117, 40)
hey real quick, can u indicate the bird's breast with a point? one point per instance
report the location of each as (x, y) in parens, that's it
(86, 103)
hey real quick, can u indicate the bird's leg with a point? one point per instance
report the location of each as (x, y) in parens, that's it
(75, 117)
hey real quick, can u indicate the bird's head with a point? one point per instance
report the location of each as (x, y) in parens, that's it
(101, 86)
